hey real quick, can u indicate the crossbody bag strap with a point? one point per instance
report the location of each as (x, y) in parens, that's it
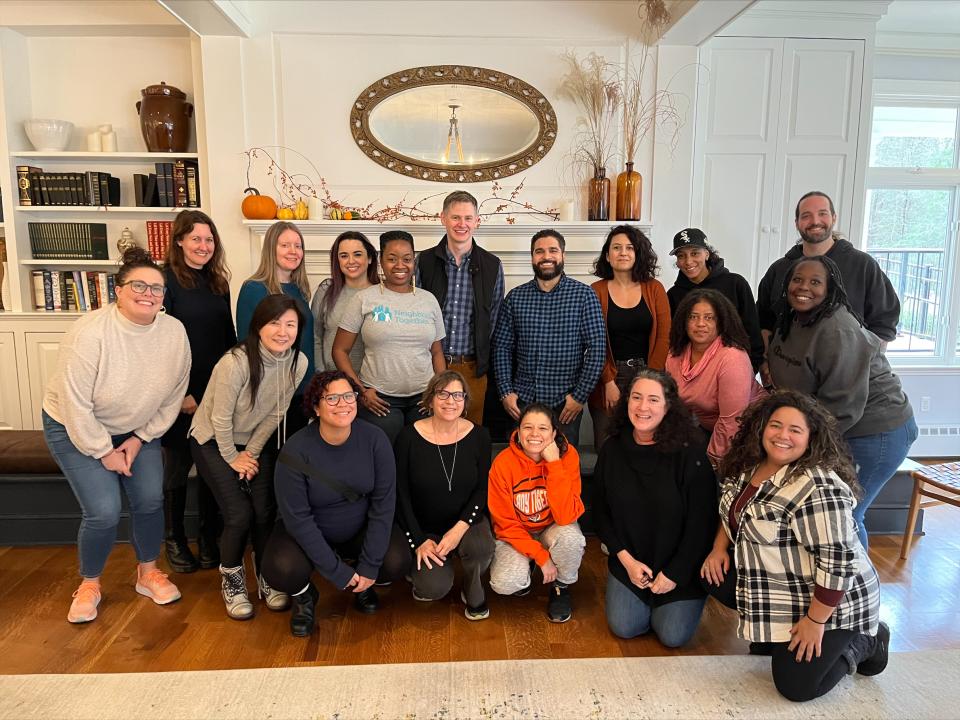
(338, 487)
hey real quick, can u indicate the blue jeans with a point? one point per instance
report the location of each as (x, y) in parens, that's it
(628, 616)
(877, 458)
(403, 411)
(98, 492)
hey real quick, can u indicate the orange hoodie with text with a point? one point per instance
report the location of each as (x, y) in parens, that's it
(526, 496)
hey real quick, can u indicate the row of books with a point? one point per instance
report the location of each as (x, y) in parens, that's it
(66, 188)
(68, 240)
(158, 238)
(72, 291)
(175, 184)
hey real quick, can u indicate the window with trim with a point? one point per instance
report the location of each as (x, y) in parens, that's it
(911, 219)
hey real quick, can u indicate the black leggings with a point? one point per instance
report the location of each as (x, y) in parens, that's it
(243, 513)
(177, 461)
(796, 681)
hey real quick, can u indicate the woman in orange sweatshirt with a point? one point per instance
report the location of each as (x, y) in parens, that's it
(534, 502)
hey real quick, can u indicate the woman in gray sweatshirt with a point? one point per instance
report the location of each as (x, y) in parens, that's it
(121, 377)
(244, 405)
(821, 348)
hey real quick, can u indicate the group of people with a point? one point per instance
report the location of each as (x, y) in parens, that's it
(361, 421)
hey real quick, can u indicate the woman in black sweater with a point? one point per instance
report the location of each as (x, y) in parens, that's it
(198, 295)
(655, 497)
(442, 466)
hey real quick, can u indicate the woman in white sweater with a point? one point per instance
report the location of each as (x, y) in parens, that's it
(121, 376)
(230, 440)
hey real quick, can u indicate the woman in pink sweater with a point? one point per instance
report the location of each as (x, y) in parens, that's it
(709, 360)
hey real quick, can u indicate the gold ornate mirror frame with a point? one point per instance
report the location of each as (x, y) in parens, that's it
(447, 74)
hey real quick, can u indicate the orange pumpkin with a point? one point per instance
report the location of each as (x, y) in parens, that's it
(257, 206)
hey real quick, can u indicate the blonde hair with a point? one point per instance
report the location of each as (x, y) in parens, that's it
(267, 270)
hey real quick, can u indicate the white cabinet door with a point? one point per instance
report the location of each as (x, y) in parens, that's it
(10, 414)
(737, 126)
(43, 349)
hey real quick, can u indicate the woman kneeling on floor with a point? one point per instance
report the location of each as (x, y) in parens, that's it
(336, 489)
(805, 589)
(443, 462)
(230, 439)
(655, 500)
(534, 501)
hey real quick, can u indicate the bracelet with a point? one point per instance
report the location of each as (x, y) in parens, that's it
(817, 621)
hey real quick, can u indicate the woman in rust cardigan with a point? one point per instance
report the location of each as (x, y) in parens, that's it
(637, 317)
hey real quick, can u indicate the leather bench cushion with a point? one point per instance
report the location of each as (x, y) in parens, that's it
(25, 452)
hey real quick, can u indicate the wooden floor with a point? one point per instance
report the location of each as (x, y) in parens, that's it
(133, 635)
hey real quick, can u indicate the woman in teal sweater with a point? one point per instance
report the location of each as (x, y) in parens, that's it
(282, 270)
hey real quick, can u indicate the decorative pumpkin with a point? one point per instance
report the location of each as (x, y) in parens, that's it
(336, 213)
(257, 206)
(285, 213)
(301, 211)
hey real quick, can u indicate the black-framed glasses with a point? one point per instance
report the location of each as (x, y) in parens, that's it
(333, 399)
(457, 395)
(140, 287)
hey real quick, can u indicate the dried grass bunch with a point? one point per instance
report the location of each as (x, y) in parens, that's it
(591, 83)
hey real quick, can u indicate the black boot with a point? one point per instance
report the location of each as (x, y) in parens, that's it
(870, 654)
(559, 606)
(367, 601)
(304, 613)
(210, 527)
(179, 557)
(208, 552)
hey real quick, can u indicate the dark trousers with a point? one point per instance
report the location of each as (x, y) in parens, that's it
(177, 461)
(475, 552)
(244, 513)
(287, 568)
(797, 681)
(403, 411)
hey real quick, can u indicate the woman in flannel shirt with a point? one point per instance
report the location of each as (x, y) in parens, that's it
(798, 575)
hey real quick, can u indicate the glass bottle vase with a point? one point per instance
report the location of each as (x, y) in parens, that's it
(598, 207)
(629, 187)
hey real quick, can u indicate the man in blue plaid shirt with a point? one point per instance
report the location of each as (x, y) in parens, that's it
(549, 342)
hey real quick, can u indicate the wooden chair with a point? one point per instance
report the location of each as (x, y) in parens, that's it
(941, 483)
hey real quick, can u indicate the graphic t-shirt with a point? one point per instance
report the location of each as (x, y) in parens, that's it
(397, 331)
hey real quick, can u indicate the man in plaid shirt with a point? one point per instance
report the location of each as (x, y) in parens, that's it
(549, 342)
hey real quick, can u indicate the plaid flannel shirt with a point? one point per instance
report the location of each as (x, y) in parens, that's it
(790, 536)
(549, 344)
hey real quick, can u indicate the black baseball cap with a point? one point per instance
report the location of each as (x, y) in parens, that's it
(691, 237)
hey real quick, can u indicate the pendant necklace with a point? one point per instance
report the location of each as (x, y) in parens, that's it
(453, 465)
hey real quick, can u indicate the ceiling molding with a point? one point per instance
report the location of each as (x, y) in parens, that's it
(703, 20)
(210, 17)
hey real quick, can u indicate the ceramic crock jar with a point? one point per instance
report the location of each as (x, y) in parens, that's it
(165, 118)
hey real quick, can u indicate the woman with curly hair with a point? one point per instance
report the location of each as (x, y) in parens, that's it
(701, 267)
(708, 359)
(636, 314)
(821, 348)
(799, 577)
(654, 502)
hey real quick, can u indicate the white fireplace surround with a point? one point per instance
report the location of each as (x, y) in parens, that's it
(511, 243)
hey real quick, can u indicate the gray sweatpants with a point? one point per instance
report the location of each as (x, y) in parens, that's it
(510, 571)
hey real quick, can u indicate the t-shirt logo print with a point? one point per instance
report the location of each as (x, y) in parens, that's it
(530, 505)
(381, 313)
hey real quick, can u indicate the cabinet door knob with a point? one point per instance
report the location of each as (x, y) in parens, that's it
(765, 228)
(775, 230)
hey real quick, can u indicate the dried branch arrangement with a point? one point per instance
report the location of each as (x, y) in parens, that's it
(591, 83)
(291, 187)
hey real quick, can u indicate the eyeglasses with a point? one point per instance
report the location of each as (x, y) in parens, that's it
(140, 287)
(334, 399)
(457, 395)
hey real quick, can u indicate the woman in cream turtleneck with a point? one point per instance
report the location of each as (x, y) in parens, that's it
(244, 405)
(121, 377)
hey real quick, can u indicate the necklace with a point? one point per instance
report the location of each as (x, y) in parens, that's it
(453, 465)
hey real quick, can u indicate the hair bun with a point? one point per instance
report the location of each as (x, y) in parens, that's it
(136, 256)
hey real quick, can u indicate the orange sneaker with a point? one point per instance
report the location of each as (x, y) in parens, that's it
(85, 600)
(154, 585)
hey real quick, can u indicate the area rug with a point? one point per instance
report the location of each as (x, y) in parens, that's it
(915, 685)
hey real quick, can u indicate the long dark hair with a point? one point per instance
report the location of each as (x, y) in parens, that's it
(267, 310)
(677, 428)
(729, 325)
(645, 265)
(337, 278)
(835, 298)
(560, 439)
(318, 386)
(133, 258)
(216, 268)
(826, 448)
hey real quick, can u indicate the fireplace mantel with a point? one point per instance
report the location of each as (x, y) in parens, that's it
(511, 243)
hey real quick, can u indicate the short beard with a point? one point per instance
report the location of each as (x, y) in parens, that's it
(816, 241)
(549, 275)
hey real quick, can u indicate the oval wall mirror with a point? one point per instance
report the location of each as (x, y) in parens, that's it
(453, 123)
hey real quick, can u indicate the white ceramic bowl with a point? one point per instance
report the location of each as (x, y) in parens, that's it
(49, 134)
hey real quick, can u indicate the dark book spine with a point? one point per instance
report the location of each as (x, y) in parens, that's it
(24, 184)
(179, 184)
(47, 291)
(98, 241)
(139, 185)
(104, 188)
(193, 185)
(111, 288)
